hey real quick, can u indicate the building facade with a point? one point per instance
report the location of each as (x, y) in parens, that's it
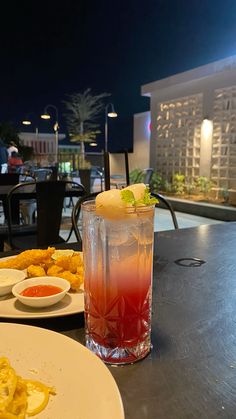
(193, 124)
(46, 152)
(68, 153)
(44, 146)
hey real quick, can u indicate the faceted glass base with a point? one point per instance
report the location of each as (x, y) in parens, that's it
(119, 356)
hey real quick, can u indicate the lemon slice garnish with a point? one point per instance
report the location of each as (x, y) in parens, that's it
(58, 253)
(37, 396)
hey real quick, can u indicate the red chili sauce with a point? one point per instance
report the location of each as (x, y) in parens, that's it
(41, 291)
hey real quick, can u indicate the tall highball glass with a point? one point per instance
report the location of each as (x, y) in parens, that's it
(118, 261)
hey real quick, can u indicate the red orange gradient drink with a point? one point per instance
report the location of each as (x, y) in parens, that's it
(118, 259)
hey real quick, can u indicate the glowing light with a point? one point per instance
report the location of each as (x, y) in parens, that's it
(45, 116)
(148, 126)
(112, 114)
(26, 122)
(206, 129)
(56, 126)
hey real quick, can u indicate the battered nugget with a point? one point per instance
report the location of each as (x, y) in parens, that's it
(27, 258)
(75, 279)
(54, 270)
(35, 270)
(39, 262)
(70, 263)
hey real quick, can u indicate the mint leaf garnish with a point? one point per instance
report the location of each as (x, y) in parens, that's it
(147, 199)
(128, 197)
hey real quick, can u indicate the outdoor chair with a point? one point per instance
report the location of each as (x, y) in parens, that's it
(147, 173)
(96, 174)
(41, 174)
(7, 180)
(76, 215)
(120, 182)
(168, 206)
(49, 197)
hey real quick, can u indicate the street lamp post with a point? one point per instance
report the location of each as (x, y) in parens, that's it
(47, 115)
(111, 113)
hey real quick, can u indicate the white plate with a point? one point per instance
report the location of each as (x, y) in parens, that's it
(11, 308)
(85, 387)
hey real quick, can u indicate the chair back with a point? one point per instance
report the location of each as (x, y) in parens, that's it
(97, 173)
(7, 180)
(49, 198)
(147, 175)
(168, 205)
(41, 174)
(75, 215)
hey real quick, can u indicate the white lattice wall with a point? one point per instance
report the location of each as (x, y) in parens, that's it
(223, 168)
(178, 137)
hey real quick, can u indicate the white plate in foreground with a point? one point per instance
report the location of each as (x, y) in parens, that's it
(11, 308)
(85, 387)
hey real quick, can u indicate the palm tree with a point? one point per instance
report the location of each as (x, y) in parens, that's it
(83, 109)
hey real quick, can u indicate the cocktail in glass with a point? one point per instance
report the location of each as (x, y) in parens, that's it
(118, 260)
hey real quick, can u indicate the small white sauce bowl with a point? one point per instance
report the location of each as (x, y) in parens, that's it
(8, 278)
(41, 301)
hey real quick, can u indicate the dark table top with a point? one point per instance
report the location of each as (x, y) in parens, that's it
(191, 371)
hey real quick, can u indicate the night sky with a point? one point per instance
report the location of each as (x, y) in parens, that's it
(49, 50)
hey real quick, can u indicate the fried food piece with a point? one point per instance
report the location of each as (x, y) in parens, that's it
(70, 263)
(43, 263)
(54, 270)
(69, 268)
(47, 263)
(27, 258)
(63, 262)
(35, 270)
(75, 279)
(76, 262)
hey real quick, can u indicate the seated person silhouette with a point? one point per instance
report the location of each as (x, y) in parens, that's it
(14, 162)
